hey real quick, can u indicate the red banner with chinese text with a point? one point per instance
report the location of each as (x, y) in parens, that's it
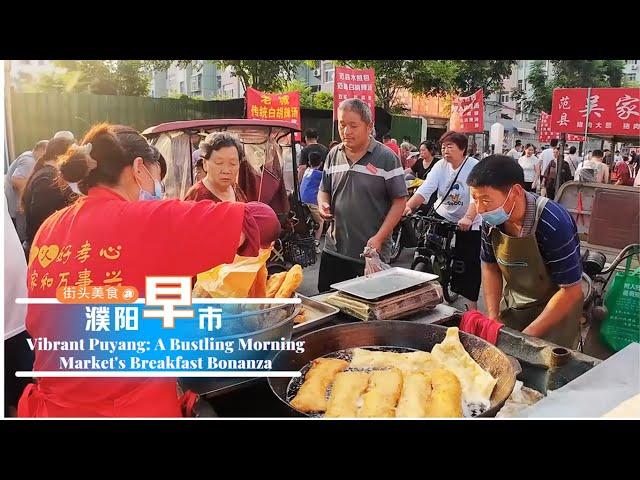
(284, 107)
(352, 83)
(467, 113)
(545, 133)
(612, 111)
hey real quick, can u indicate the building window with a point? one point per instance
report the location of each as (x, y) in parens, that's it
(521, 85)
(196, 83)
(629, 77)
(182, 88)
(218, 82)
(328, 75)
(504, 97)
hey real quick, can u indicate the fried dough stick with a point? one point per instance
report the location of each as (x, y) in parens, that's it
(312, 396)
(382, 395)
(345, 393)
(446, 395)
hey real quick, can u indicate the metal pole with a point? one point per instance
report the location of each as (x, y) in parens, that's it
(560, 162)
(586, 123)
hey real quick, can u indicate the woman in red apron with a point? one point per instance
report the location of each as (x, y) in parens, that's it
(115, 236)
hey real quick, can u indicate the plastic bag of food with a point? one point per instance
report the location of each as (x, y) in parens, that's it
(245, 277)
(372, 261)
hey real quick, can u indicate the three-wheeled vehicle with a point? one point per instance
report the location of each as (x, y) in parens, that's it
(267, 175)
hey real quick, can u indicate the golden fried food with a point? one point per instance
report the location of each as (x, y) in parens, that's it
(312, 396)
(291, 282)
(446, 395)
(200, 292)
(410, 362)
(382, 394)
(301, 317)
(345, 394)
(259, 287)
(477, 384)
(416, 390)
(274, 283)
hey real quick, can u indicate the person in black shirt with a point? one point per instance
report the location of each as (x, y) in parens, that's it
(45, 191)
(425, 161)
(311, 137)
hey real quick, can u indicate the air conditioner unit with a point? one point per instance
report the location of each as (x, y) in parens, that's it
(316, 72)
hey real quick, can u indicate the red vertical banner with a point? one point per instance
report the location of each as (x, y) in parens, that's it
(284, 107)
(546, 133)
(467, 113)
(352, 83)
(612, 111)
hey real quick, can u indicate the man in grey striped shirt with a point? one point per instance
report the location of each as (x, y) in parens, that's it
(362, 194)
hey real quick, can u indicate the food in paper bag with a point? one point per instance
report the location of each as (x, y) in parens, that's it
(247, 277)
(372, 261)
(235, 279)
(274, 283)
(291, 282)
(259, 287)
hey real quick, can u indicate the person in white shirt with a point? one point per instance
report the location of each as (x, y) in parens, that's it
(572, 159)
(592, 170)
(454, 203)
(617, 158)
(546, 157)
(516, 151)
(531, 166)
(18, 356)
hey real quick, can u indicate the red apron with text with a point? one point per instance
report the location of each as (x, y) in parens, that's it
(103, 240)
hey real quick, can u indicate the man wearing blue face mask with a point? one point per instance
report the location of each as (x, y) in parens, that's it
(531, 244)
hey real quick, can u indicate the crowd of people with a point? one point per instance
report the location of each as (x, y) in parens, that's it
(107, 191)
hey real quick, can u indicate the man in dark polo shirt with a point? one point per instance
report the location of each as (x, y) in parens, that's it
(362, 194)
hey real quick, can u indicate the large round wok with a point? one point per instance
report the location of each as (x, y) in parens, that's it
(393, 334)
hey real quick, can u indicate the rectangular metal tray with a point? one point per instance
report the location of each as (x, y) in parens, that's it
(317, 313)
(384, 283)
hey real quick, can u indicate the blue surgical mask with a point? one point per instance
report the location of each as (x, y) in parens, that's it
(158, 193)
(498, 216)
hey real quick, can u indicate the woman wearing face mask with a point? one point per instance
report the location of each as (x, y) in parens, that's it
(531, 166)
(221, 153)
(530, 245)
(118, 234)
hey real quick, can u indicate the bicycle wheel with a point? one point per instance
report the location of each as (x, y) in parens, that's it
(423, 267)
(445, 280)
(396, 244)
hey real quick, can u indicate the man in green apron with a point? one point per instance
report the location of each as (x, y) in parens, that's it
(530, 245)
